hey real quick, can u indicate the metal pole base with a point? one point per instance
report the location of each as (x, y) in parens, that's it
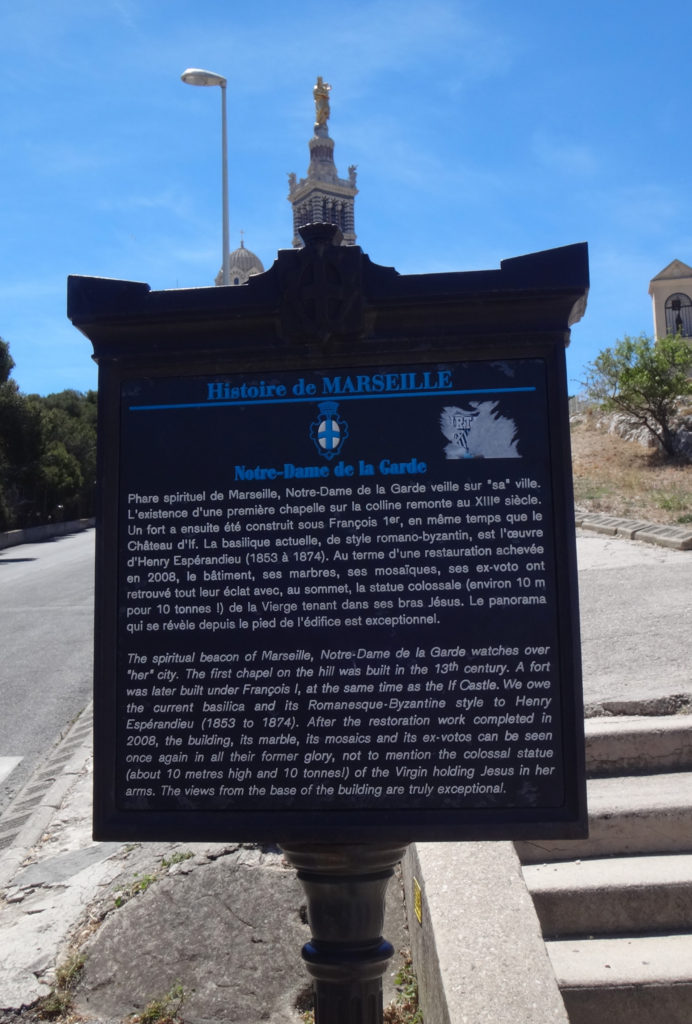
(347, 956)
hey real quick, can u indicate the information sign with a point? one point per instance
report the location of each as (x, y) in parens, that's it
(339, 604)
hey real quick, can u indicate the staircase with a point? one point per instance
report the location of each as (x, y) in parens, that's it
(616, 908)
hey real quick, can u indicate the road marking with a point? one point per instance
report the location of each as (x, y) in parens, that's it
(7, 766)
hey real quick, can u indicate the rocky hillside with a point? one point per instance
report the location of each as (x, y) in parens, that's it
(621, 476)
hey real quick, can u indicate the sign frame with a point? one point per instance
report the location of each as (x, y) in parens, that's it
(327, 308)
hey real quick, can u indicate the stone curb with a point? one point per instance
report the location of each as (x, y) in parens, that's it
(45, 807)
(677, 537)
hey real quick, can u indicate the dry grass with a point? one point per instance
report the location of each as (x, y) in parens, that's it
(623, 478)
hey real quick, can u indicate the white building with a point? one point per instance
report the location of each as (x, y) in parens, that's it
(671, 294)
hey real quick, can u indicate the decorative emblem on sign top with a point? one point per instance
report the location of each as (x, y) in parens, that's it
(321, 289)
(329, 430)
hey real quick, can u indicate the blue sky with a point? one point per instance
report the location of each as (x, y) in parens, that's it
(482, 130)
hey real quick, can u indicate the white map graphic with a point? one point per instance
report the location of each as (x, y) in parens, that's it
(478, 432)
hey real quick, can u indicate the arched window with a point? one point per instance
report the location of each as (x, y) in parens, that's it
(679, 314)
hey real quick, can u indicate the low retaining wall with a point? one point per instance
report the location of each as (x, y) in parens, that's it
(478, 951)
(35, 534)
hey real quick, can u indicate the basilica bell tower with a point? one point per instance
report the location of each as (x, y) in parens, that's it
(323, 197)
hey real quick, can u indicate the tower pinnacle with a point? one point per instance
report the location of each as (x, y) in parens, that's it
(323, 197)
(320, 91)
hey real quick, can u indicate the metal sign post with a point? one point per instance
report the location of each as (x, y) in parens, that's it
(347, 956)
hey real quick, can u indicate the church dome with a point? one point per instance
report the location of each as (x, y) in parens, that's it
(243, 264)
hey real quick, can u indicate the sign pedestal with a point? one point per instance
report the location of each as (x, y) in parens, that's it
(347, 955)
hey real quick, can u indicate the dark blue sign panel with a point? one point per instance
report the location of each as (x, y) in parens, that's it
(338, 590)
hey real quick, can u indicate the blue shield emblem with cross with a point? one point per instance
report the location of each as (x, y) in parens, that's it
(329, 430)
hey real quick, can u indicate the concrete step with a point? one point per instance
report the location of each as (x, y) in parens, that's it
(630, 745)
(625, 893)
(612, 896)
(646, 814)
(629, 980)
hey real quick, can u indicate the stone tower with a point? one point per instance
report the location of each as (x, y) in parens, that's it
(323, 197)
(671, 294)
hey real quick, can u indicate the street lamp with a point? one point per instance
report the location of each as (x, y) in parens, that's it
(196, 76)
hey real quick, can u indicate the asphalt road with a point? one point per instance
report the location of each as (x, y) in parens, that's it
(636, 627)
(46, 630)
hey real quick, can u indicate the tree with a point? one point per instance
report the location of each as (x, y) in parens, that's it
(6, 362)
(8, 411)
(644, 379)
(47, 452)
(69, 428)
(21, 448)
(60, 482)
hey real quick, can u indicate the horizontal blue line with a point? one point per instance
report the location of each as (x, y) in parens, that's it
(313, 399)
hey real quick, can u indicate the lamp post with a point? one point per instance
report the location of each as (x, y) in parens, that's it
(197, 76)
